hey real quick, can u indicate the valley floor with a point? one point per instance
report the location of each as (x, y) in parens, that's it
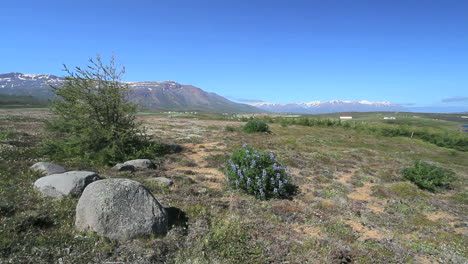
(352, 204)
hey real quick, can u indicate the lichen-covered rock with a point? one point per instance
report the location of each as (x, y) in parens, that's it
(47, 168)
(64, 184)
(120, 209)
(123, 167)
(163, 181)
(141, 164)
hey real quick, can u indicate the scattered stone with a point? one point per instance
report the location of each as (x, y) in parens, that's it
(47, 168)
(123, 167)
(64, 184)
(120, 209)
(202, 190)
(141, 164)
(163, 181)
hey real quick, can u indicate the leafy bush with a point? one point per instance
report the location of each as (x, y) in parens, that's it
(429, 177)
(229, 128)
(258, 173)
(254, 126)
(95, 120)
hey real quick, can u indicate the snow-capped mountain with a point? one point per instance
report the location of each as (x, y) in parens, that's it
(36, 85)
(166, 95)
(318, 107)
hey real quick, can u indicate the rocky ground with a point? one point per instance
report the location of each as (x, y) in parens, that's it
(352, 204)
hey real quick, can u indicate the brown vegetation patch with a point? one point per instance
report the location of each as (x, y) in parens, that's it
(440, 215)
(307, 230)
(211, 177)
(363, 193)
(344, 179)
(376, 208)
(364, 232)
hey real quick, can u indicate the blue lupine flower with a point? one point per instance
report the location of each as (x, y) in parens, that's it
(244, 145)
(253, 164)
(280, 184)
(278, 175)
(272, 181)
(272, 156)
(264, 173)
(239, 173)
(237, 183)
(259, 183)
(275, 191)
(249, 181)
(262, 193)
(233, 166)
(286, 181)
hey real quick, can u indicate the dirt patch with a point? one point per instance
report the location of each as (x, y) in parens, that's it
(424, 260)
(307, 230)
(440, 215)
(344, 178)
(364, 232)
(376, 208)
(210, 177)
(363, 193)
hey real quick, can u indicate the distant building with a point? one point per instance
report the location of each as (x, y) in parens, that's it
(346, 117)
(389, 117)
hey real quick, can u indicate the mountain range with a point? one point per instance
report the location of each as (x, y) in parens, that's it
(170, 95)
(166, 95)
(318, 107)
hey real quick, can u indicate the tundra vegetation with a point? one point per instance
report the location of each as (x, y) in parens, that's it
(359, 196)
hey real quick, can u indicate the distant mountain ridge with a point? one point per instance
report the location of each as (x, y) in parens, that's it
(166, 95)
(335, 106)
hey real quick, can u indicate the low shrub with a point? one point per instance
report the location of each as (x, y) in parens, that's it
(229, 128)
(258, 173)
(254, 126)
(429, 177)
(102, 149)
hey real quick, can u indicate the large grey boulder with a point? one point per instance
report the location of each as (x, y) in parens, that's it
(123, 167)
(120, 209)
(141, 164)
(47, 168)
(64, 184)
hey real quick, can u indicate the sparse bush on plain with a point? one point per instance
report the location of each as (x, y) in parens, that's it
(254, 126)
(258, 173)
(229, 128)
(429, 177)
(95, 120)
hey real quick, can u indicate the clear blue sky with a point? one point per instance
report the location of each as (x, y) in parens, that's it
(408, 51)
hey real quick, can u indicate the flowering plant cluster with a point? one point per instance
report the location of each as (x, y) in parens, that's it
(258, 173)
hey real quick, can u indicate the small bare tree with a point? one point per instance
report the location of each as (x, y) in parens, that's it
(95, 116)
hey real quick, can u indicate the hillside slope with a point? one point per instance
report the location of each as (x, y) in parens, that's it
(166, 95)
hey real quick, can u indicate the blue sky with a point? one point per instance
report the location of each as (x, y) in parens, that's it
(412, 52)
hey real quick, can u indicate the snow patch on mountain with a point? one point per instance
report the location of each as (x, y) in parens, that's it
(315, 107)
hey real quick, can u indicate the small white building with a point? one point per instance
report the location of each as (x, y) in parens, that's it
(389, 117)
(346, 117)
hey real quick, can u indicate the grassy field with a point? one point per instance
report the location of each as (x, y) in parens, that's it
(353, 206)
